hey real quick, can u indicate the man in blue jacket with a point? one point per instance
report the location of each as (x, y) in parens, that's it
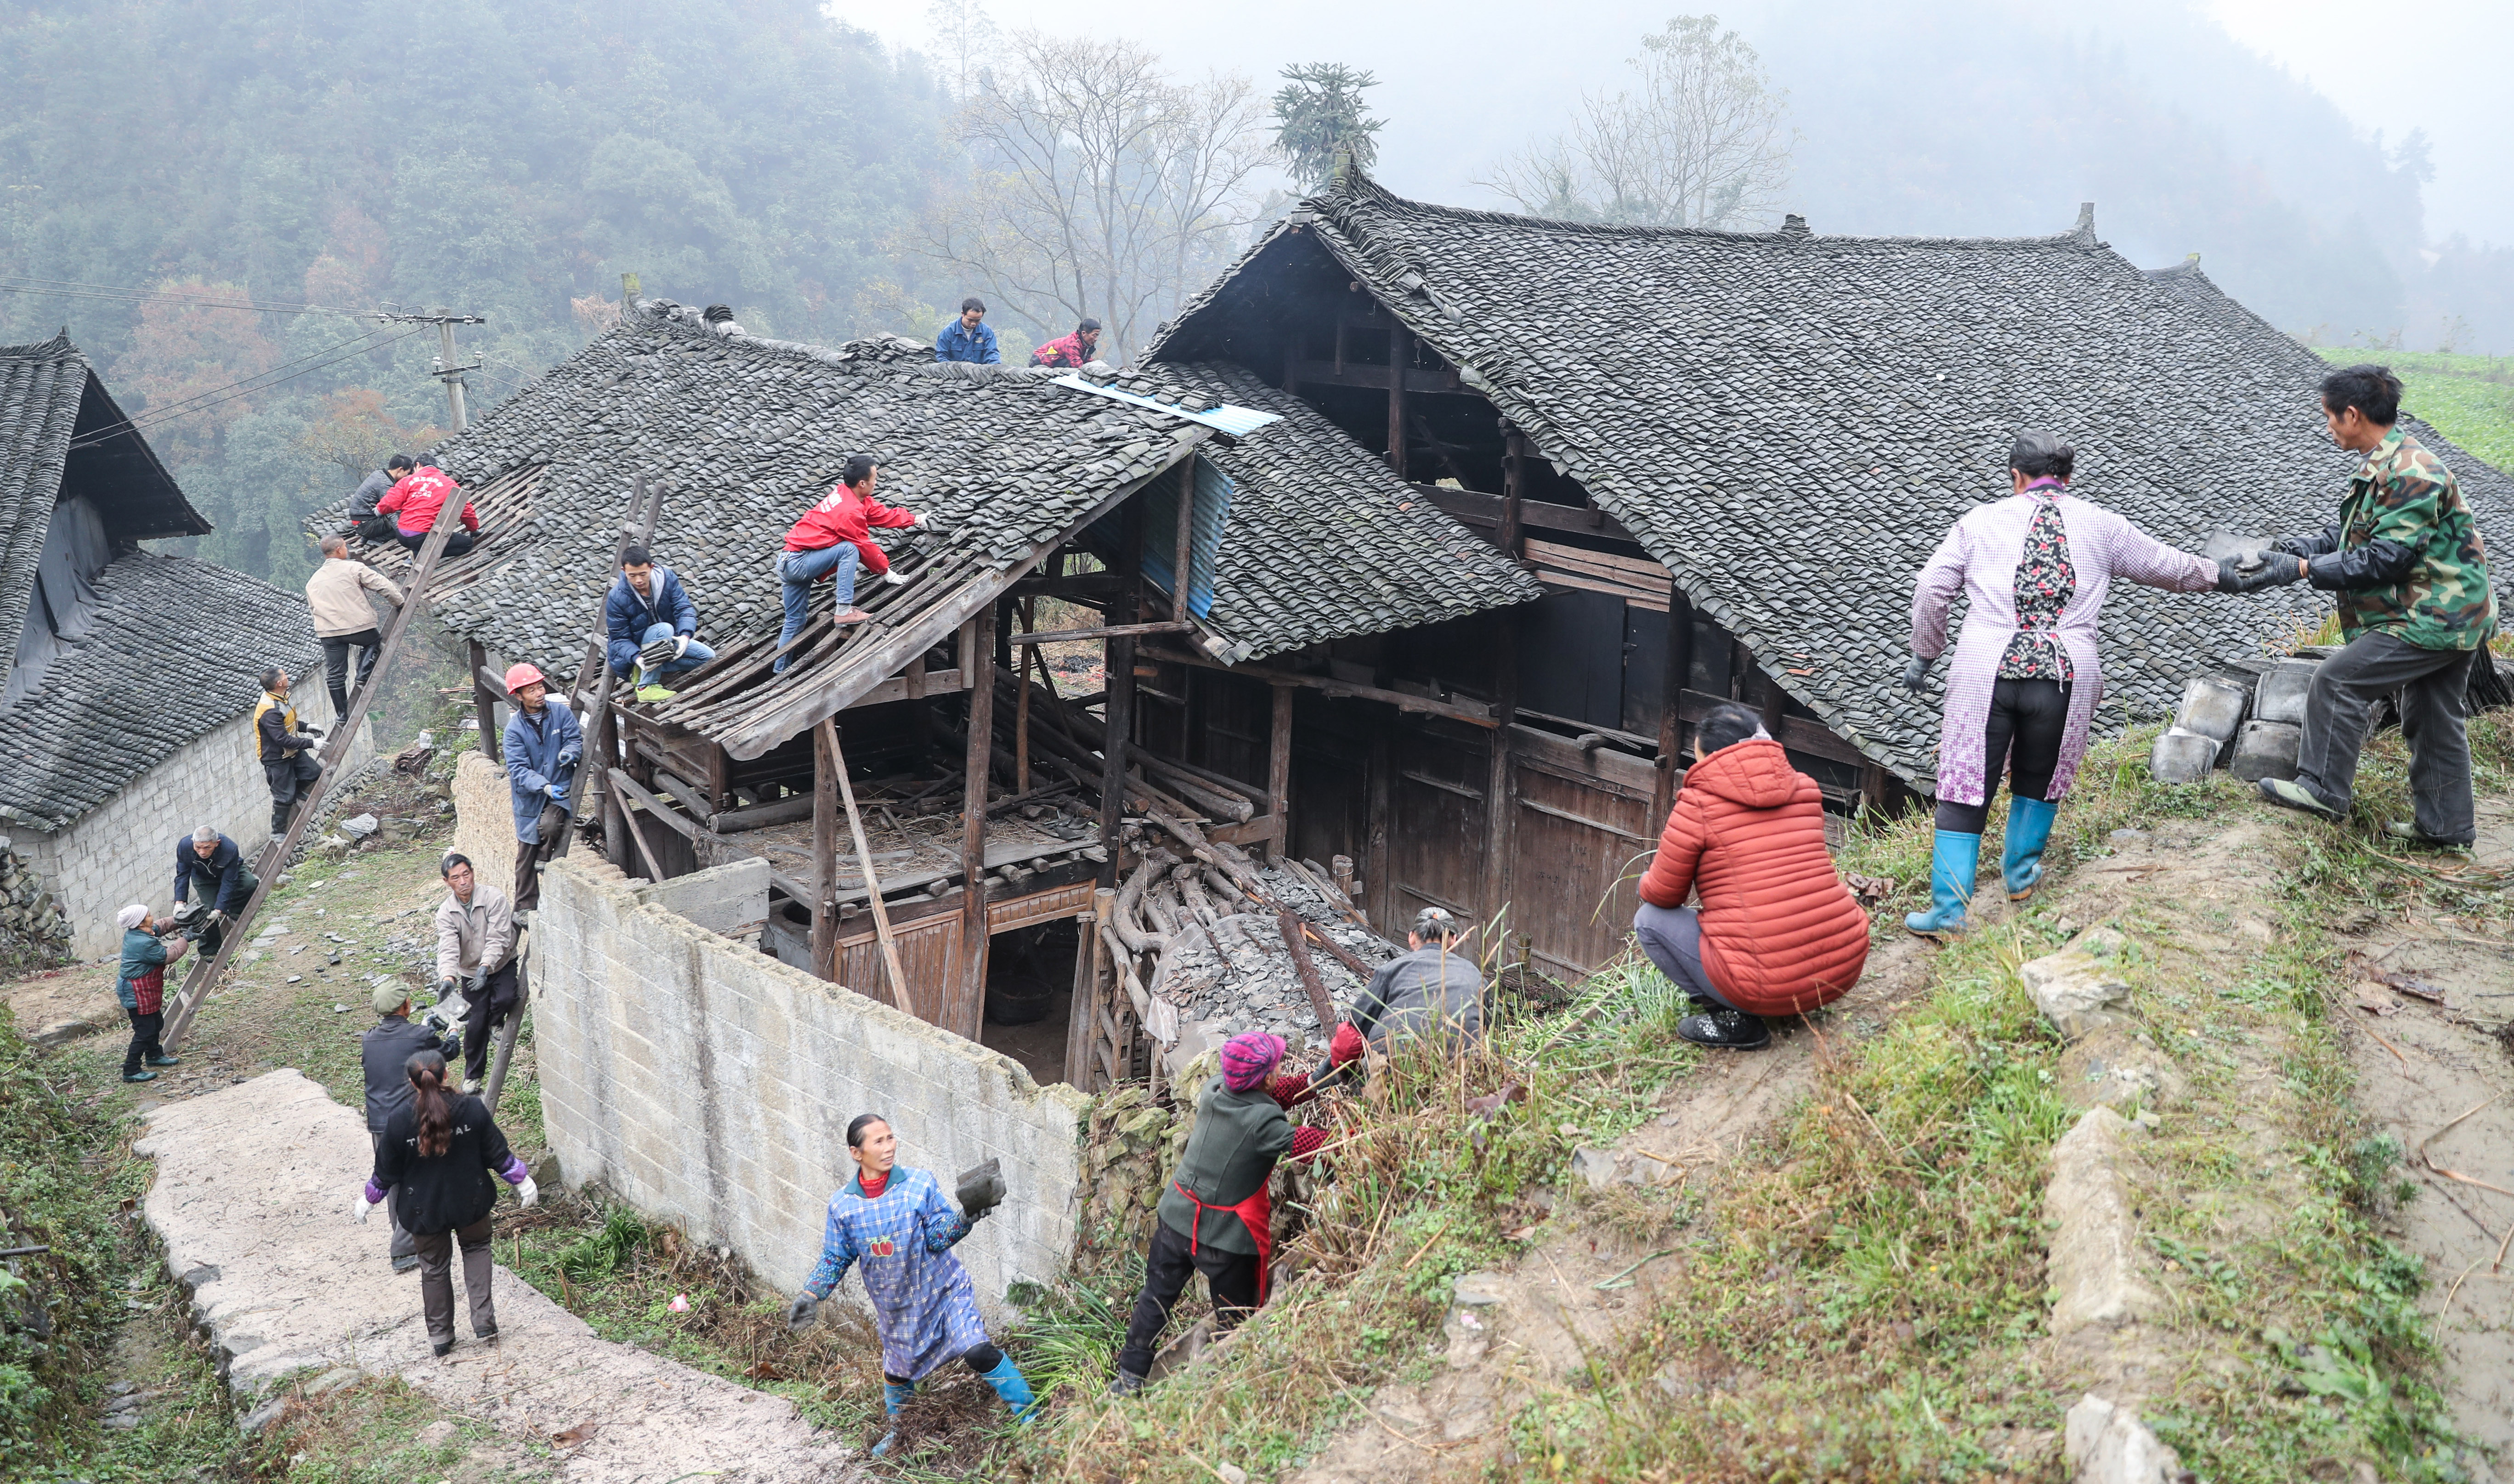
(651, 623)
(543, 746)
(968, 338)
(209, 860)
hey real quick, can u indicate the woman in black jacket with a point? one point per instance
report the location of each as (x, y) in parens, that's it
(435, 1157)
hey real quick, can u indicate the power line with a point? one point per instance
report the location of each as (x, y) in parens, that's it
(202, 402)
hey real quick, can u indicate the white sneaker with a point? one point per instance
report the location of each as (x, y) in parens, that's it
(470, 1088)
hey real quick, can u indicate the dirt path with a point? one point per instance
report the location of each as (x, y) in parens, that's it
(1533, 1323)
(2441, 1063)
(253, 1202)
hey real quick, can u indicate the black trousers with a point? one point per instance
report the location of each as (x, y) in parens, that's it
(456, 543)
(530, 856)
(403, 1243)
(1230, 1278)
(375, 529)
(980, 1358)
(289, 778)
(2432, 686)
(496, 1002)
(2027, 719)
(145, 1029)
(335, 666)
(436, 1251)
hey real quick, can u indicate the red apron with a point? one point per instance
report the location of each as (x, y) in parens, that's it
(1256, 1213)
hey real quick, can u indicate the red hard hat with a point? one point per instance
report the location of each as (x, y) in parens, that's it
(519, 676)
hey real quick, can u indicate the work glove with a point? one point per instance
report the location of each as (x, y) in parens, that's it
(800, 1313)
(215, 919)
(895, 577)
(981, 1189)
(680, 645)
(528, 1194)
(1916, 674)
(473, 985)
(2282, 568)
(445, 988)
(1347, 1045)
(358, 1206)
(2235, 574)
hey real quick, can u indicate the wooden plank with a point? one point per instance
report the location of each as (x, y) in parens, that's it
(1401, 354)
(1106, 632)
(900, 686)
(1418, 379)
(1279, 763)
(1486, 511)
(825, 854)
(1511, 530)
(1473, 715)
(1631, 776)
(1554, 577)
(826, 735)
(1069, 901)
(978, 656)
(1081, 1020)
(1264, 829)
(484, 700)
(1584, 819)
(1637, 571)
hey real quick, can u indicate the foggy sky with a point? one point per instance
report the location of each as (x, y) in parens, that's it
(1466, 81)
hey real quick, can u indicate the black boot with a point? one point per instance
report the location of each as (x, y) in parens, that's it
(1724, 1029)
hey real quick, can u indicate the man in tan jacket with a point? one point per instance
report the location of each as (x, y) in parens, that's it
(475, 954)
(343, 619)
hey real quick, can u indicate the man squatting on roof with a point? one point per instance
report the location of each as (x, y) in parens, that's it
(897, 1223)
(543, 746)
(344, 619)
(1777, 934)
(2037, 566)
(436, 1158)
(286, 751)
(476, 950)
(1215, 1216)
(650, 624)
(832, 540)
(364, 523)
(139, 984)
(2407, 565)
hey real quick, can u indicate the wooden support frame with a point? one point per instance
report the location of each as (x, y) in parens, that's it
(824, 852)
(978, 658)
(1400, 355)
(1278, 770)
(1671, 723)
(1404, 700)
(1106, 632)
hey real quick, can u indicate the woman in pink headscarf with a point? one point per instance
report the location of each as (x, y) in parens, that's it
(2026, 677)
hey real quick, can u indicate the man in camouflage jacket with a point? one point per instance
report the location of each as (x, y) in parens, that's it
(2407, 568)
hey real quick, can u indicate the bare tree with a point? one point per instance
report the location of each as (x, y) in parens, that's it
(966, 42)
(1699, 141)
(1098, 187)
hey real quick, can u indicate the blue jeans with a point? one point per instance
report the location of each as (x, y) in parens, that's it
(800, 570)
(623, 655)
(1672, 938)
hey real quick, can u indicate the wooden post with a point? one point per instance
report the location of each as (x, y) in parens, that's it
(1670, 724)
(1020, 701)
(1383, 897)
(486, 702)
(827, 733)
(1118, 665)
(1185, 552)
(1513, 487)
(1401, 351)
(978, 659)
(824, 851)
(1279, 772)
(1500, 813)
(1082, 1025)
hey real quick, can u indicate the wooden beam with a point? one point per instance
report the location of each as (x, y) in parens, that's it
(1117, 664)
(1106, 632)
(1278, 767)
(1484, 513)
(980, 658)
(484, 700)
(900, 686)
(1510, 533)
(1020, 701)
(1081, 1017)
(1184, 556)
(1400, 354)
(1404, 700)
(1500, 815)
(1418, 379)
(826, 734)
(824, 852)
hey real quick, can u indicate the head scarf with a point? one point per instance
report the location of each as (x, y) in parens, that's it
(132, 916)
(1246, 1060)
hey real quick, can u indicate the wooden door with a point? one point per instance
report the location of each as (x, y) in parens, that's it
(1436, 825)
(1583, 838)
(929, 953)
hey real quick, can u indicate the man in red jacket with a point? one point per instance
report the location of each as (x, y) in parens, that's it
(832, 540)
(412, 503)
(1777, 933)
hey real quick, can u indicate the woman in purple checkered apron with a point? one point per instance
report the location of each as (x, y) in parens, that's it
(899, 1227)
(2022, 689)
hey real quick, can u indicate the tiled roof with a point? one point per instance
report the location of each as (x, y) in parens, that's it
(749, 431)
(176, 650)
(1791, 421)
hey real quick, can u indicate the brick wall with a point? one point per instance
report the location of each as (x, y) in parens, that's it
(709, 1085)
(123, 850)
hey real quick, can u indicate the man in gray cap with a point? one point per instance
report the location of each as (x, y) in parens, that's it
(1431, 991)
(385, 1052)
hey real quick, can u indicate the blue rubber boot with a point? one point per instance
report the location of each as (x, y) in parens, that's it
(1953, 864)
(893, 1397)
(1006, 1378)
(2029, 829)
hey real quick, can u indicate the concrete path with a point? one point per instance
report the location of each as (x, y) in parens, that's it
(253, 1201)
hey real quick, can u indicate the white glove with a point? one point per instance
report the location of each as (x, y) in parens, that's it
(923, 519)
(359, 1207)
(895, 577)
(528, 1194)
(680, 646)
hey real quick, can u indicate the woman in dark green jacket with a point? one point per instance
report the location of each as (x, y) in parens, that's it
(1215, 1217)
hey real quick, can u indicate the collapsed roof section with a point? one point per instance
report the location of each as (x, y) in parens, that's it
(1790, 422)
(747, 433)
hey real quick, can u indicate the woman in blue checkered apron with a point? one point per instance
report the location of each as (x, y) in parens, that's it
(899, 1227)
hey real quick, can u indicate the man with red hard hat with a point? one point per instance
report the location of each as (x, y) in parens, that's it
(543, 746)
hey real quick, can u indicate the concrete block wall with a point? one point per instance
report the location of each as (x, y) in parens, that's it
(709, 1085)
(123, 850)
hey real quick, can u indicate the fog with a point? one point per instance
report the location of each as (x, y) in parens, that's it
(2264, 134)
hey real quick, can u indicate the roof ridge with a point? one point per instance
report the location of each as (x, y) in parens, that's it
(59, 345)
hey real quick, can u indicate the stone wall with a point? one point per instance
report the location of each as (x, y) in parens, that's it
(709, 1085)
(123, 850)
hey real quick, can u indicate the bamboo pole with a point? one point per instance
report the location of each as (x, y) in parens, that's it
(863, 862)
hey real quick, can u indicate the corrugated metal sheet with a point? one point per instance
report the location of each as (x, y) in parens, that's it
(1160, 535)
(1238, 422)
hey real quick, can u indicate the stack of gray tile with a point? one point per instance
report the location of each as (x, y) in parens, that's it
(2254, 725)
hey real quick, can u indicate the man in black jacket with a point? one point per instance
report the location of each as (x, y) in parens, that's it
(287, 753)
(209, 860)
(364, 523)
(384, 1053)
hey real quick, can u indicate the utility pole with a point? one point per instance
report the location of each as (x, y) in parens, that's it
(447, 369)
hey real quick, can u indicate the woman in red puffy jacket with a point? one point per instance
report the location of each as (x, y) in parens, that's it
(1777, 933)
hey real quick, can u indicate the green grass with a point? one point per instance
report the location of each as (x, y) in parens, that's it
(2470, 398)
